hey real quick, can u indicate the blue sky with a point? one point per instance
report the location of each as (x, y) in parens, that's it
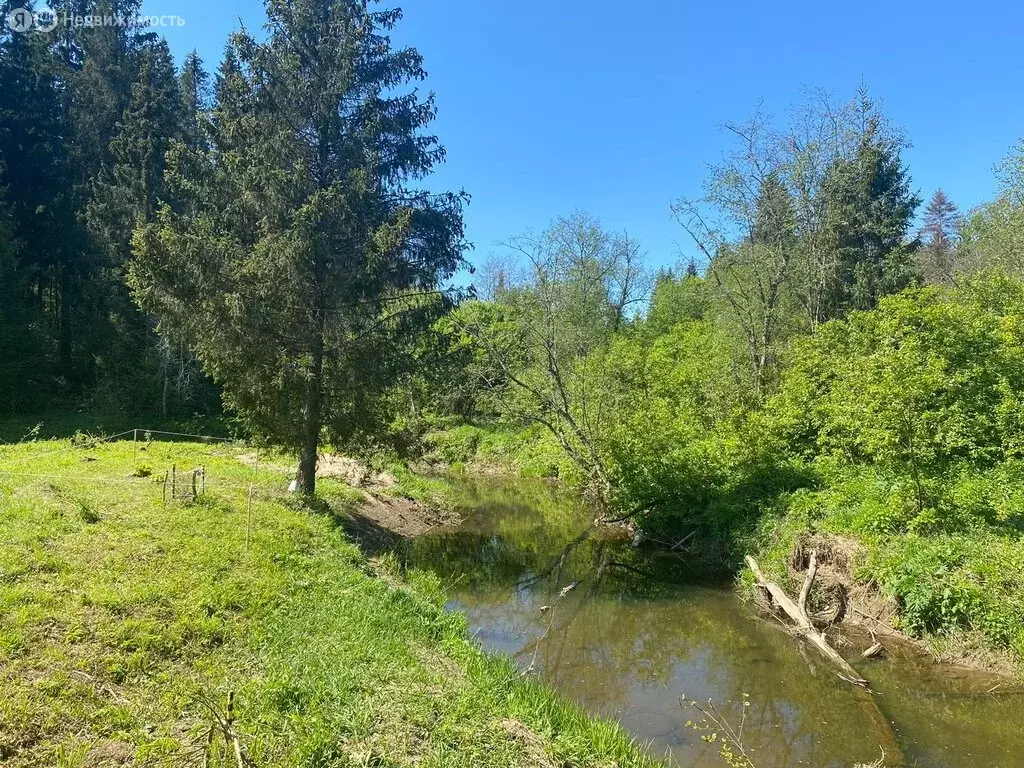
(617, 108)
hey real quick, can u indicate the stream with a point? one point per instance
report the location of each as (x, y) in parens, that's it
(638, 630)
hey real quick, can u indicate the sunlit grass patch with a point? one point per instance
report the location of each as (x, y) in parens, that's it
(124, 612)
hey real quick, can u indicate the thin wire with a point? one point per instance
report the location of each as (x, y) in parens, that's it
(87, 478)
(63, 450)
(188, 434)
(151, 480)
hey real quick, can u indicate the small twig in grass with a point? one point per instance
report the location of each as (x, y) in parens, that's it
(225, 725)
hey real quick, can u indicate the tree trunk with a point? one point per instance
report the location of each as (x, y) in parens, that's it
(798, 613)
(64, 323)
(311, 415)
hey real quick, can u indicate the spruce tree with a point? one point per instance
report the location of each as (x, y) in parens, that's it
(128, 190)
(23, 375)
(869, 207)
(939, 235)
(36, 154)
(311, 258)
(103, 62)
(192, 88)
(133, 364)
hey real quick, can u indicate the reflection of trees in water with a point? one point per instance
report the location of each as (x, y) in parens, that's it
(629, 639)
(947, 717)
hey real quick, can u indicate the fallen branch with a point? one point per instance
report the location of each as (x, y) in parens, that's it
(797, 612)
(874, 650)
(545, 609)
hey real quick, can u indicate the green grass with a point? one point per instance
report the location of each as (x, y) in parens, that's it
(122, 619)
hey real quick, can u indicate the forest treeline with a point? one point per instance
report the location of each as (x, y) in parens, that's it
(174, 240)
(837, 357)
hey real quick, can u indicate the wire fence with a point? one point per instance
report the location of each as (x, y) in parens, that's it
(193, 482)
(134, 434)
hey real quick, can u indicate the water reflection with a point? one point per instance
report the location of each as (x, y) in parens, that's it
(635, 633)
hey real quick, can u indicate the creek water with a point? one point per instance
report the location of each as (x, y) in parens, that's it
(637, 631)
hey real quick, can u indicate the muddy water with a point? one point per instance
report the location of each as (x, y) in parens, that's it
(637, 631)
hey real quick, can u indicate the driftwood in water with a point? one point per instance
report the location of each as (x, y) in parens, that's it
(891, 752)
(875, 649)
(797, 612)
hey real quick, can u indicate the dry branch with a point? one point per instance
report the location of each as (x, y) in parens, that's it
(797, 612)
(224, 724)
(874, 650)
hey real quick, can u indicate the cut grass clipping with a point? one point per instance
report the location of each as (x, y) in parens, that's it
(126, 621)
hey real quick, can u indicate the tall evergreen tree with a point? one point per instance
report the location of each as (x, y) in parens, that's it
(869, 208)
(35, 142)
(128, 190)
(103, 62)
(133, 363)
(192, 88)
(24, 370)
(311, 258)
(63, 92)
(940, 233)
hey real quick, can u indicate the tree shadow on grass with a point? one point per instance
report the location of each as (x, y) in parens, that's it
(372, 538)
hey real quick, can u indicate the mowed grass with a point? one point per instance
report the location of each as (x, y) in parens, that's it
(123, 620)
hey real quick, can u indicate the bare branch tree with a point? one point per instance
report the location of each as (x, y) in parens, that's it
(577, 285)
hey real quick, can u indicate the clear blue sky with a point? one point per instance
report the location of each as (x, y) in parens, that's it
(550, 105)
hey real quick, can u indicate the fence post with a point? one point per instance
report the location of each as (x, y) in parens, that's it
(135, 445)
(248, 518)
(165, 487)
(174, 481)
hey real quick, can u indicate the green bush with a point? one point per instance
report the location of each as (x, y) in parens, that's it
(458, 444)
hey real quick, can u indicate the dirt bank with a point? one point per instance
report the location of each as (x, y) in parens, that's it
(856, 614)
(383, 516)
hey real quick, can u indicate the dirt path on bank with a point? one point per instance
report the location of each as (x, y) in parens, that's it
(383, 517)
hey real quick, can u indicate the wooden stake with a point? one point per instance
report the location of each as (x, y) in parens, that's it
(135, 445)
(165, 487)
(174, 481)
(248, 518)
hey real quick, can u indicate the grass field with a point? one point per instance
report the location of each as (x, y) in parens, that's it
(126, 621)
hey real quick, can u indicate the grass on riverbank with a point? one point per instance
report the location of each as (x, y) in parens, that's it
(120, 617)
